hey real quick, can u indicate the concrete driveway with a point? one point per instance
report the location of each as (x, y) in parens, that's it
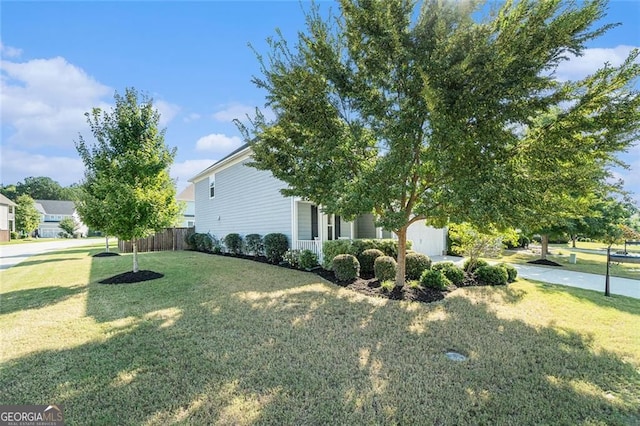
(13, 254)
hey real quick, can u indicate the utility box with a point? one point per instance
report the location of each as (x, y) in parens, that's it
(573, 258)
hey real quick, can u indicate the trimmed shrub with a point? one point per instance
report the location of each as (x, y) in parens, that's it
(416, 264)
(275, 245)
(253, 244)
(346, 267)
(451, 271)
(331, 249)
(204, 242)
(384, 268)
(367, 258)
(359, 246)
(478, 264)
(292, 257)
(512, 273)
(190, 239)
(432, 278)
(308, 259)
(15, 235)
(233, 242)
(492, 275)
(390, 246)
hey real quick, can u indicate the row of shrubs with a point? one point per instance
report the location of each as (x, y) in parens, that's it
(418, 266)
(331, 249)
(273, 246)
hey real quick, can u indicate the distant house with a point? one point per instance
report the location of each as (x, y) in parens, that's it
(52, 212)
(7, 218)
(187, 196)
(231, 197)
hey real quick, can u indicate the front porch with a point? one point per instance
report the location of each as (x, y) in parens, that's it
(312, 227)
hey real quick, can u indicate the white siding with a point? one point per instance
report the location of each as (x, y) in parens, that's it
(4, 217)
(426, 239)
(247, 201)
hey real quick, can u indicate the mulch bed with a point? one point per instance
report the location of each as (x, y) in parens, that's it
(106, 254)
(545, 262)
(132, 277)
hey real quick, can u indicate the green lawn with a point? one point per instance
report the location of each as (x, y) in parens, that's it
(592, 262)
(228, 341)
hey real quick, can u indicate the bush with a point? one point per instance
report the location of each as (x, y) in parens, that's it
(367, 258)
(331, 249)
(512, 273)
(253, 244)
(479, 263)
(451, 271)
(523, 241)
(390, 246)
(190, 239)
(275, 245)
(346, 267)
(204, 242)
(385, 268)
(15, 235)
(233, 242)
(432, 278)
(359, 246)
(308, 259)
(492, 275)
(292, 257)
(416, 264)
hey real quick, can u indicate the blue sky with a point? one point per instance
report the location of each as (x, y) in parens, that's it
(60, 59)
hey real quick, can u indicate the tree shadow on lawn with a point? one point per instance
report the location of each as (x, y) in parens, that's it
(35, 298)
(213, 346)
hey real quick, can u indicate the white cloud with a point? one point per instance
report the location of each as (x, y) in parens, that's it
(192, 117)
(167, 111)
(185, 170)
(16, 165)
(592, 60)
(8, 51)
(235, 110)
(219, 143)
(44, 101)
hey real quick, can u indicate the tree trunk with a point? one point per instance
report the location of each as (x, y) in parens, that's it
(107, 243)
(545, 246)
(573, 240)
(134, 243)
(402, 254)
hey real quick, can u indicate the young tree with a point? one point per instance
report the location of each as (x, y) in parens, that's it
(68, 225)
(127, 190)
(473, 244)
(27, 216)
(421, 116)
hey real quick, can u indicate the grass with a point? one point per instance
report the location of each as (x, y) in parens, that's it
(592, 263)
(227, 341)
(598, 246)
(40, 240)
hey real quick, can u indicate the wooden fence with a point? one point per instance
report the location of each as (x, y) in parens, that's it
(170, 239)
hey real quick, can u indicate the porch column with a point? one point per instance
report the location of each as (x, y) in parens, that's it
(352, 229)
(294, 223)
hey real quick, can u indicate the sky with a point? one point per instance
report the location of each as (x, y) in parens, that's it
(61, 59)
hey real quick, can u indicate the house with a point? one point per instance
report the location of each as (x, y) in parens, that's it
(188, 219)
(231, 197)
(52, 212)
(7, 218)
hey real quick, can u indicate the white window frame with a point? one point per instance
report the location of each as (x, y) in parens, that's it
(212, 185)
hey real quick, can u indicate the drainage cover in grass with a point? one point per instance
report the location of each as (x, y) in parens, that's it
(455, 356)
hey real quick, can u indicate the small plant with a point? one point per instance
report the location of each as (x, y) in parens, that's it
(275, 245)
(512, 273)
(15, 235)
(470, 266)
(233, 242)
(492, 275)
(387, 286)
(367, 259)
(308, 259)
(432, 278)
(384, 268)
(416, 264)
(253, 244)
(451, 271)
(292, 257)
(346, 267)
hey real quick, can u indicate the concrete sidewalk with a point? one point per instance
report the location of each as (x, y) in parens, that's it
(622, 286)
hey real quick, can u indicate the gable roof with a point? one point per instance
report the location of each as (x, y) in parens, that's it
(5, 201)
(57, 207)
(187, 194)
(242, 150)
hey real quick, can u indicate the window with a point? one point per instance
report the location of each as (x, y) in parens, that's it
(190, 224)
(212, 186)
(10, 209)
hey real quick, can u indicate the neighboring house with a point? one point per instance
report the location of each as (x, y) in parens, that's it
(187, 196)
(233, 197)
(52, 212)
(7, 218)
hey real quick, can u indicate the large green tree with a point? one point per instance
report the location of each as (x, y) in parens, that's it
(127, 191)
(424, 115)
(27, 216)
(40, 188)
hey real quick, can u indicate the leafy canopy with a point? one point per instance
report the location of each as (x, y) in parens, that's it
(27, 216)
